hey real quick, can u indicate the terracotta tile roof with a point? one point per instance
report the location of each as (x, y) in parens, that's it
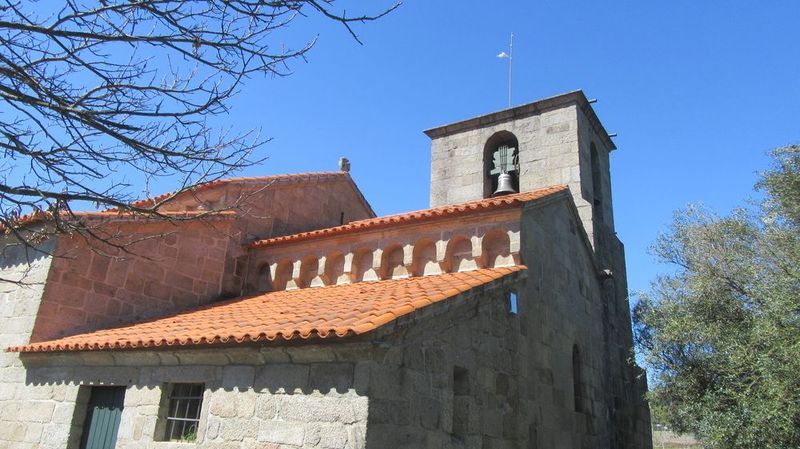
(324, 312)
(501, 202)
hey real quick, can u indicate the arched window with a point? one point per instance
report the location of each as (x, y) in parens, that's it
(577, 380)
(500, 155)
(597, 184)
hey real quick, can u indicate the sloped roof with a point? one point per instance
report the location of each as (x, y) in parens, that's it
(42, 216)
(501, 202)
(324, 312)
(292, 177)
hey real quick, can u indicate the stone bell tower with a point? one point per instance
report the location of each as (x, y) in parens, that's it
(557, 140)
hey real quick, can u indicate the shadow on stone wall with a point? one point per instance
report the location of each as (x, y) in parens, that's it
(17, 257)
(313, 404)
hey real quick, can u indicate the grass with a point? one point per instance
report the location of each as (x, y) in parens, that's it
(668, 440)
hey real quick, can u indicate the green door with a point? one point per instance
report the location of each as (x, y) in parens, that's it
(102, 418)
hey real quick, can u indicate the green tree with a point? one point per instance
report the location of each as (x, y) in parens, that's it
(721, 333)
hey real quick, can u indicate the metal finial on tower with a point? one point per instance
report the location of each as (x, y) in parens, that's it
(510, 57)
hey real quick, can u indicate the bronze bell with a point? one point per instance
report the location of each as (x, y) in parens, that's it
(505, 185)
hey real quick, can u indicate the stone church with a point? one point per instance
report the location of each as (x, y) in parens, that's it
(287, 315)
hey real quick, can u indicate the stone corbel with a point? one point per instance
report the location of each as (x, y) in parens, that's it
(441, 255)
(347, 270)
(372, 273)
(514, 246)
(477, 251)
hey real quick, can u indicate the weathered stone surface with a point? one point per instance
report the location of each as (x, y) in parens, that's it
(281, 432)
(238, 376)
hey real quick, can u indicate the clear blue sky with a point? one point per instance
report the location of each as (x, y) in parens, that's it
(698, 91)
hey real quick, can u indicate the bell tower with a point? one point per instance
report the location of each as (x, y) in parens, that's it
(556, 140)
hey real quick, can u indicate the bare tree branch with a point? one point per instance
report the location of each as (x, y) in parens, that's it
(90, 91)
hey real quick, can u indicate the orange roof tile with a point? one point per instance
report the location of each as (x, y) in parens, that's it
(501, 202)
(325, 312)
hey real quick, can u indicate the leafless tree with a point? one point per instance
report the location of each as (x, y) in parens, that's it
(94, 89)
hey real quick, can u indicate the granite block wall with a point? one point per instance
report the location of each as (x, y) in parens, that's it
(164, 267)
(253, 398)
(26, 415)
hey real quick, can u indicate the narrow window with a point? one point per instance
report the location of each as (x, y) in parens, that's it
(577, 381)
(182, 417)
(513, 304)
(461, 400)
(597, 184)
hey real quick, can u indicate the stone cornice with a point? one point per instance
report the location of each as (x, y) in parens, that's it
(537, 107)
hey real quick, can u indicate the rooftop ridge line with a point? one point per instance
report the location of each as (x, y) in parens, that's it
(434, 213)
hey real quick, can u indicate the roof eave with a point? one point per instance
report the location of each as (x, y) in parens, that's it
(525, 110)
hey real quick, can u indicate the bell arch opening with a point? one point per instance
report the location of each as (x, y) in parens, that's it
(500, 157)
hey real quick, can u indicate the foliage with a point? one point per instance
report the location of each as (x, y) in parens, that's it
(721, 334)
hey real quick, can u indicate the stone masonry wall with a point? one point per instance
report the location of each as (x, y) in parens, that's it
(25, 415)
(464, 373)
(475, 375)
(549, 154)
(587, 135)
(392, 389)
(564, 307)
(165, 267)
(171, 266)
(451, 380)
(283, 206)
(277, 398)
(271, 209)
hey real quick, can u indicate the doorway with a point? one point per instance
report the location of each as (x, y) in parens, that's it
(102, 418)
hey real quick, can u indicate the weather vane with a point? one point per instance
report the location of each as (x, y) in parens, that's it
(510, 57)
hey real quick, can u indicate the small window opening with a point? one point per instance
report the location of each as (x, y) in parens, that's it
(341, 218)
(577, 380)
(461, 399)
(597, 183)
(513, 302)
(460, 381)
(182, 417)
